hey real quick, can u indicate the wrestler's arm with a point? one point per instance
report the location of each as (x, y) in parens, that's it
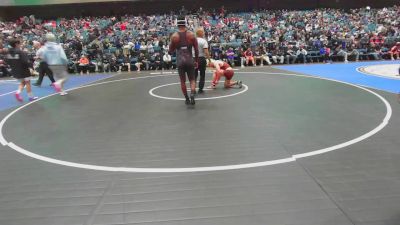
(217, 74)
(196, 49)
(217, 67)
(173, 44)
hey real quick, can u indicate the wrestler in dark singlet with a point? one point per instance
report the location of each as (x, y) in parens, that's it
(182, 42)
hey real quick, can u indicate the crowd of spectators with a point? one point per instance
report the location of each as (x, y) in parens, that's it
(265, 37)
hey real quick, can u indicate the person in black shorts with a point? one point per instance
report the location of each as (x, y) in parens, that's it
(19, 63)
(43, 67)
(203, 55)
(183, 42)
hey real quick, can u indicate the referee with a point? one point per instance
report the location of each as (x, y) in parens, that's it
(203, 55)
(43, 66)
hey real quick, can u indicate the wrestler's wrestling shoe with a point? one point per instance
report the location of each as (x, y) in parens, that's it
(239, 83)
(187, 101)
(212, 87)
(192, 101)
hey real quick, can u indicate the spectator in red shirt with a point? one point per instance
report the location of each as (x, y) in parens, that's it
(84, 64)
(376, 40)
(123, 26)
(249, 57)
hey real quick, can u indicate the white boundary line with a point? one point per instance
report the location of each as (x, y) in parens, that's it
(9, 82)
(7, 93)
(151, 92)
(200, 169)
(176, 72)
(161, 73)
(359, 69)
(4, 142)
(1, 95)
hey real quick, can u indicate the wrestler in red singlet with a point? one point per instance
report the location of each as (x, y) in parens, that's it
(223, 69)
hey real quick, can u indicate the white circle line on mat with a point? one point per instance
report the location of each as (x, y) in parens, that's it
(151, 92)
(361, 69)
(293, 158)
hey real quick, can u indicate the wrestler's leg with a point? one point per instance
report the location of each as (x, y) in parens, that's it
(232, 83)
(192, 80)
(182, 77)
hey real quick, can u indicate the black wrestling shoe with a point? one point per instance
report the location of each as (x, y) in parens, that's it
(239, 83)
(187, 101)
(36, 84)
(192, 102)
(201, 91)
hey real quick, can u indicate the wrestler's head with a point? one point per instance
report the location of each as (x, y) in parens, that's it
(181, 22)
(211, 63)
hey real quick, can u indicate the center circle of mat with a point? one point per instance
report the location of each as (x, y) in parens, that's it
(292, 158)
(198, 98)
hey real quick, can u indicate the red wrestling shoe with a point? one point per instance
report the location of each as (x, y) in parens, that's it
(18, 97)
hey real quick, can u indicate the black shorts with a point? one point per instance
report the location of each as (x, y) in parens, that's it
(187, 69)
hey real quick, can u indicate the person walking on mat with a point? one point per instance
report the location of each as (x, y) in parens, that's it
(43, 66)
(54, 55)
(183, 42)
(19, 63)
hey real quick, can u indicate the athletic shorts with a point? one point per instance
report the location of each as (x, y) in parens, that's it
(24, 79)
(187, 69)
(59, 71)
(228, 74)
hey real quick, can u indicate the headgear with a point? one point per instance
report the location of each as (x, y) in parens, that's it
(181, 21)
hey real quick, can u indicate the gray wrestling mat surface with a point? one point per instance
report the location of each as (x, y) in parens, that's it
(250, 147)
